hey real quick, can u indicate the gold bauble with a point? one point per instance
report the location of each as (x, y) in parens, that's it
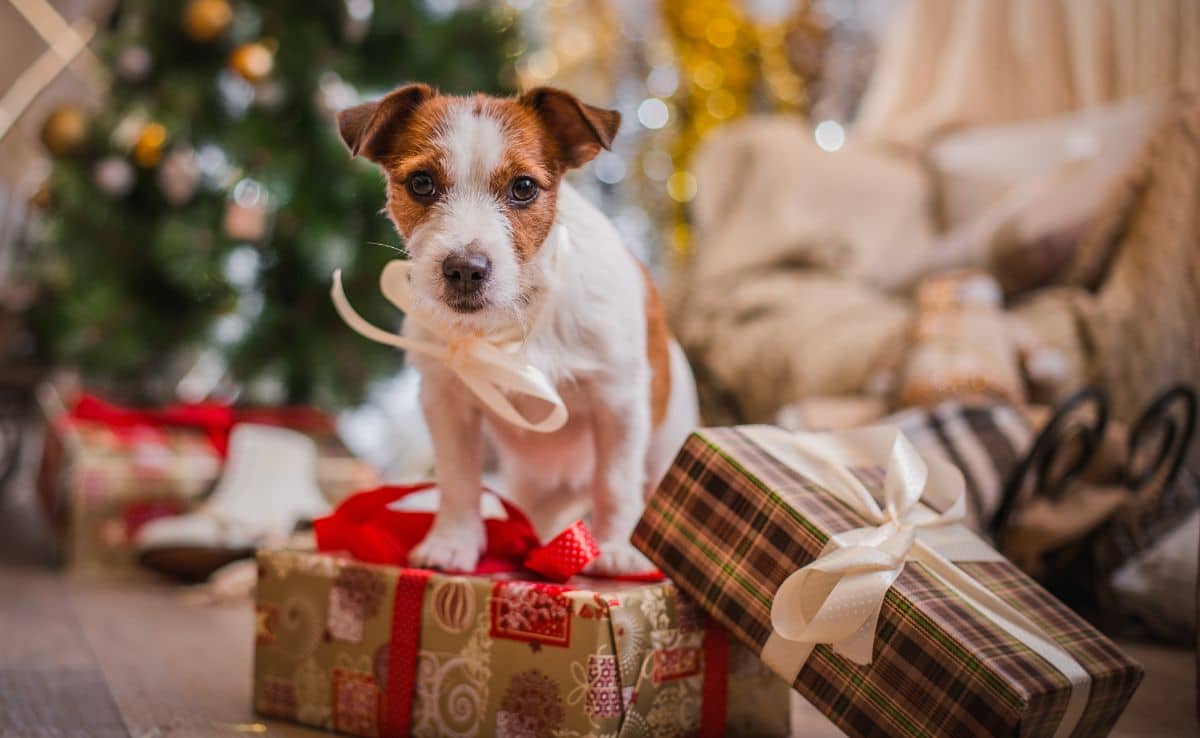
(454, 604)
(252, 61)
(148, 149)
(65, 130)
(205, 20)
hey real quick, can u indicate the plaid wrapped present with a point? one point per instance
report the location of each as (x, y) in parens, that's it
(371, 649)
(734, 521)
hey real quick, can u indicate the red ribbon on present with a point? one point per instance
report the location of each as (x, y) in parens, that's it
(714, 696)
(565, 555)
(396, 712)
(366, 526)
(215, 420)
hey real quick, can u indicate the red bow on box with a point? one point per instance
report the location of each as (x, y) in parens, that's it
(368, 528)
(214, 420)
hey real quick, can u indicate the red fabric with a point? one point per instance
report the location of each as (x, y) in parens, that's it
(402, 654)
(565, 555)
(214, 419)
(364, 526)
(297, 417)
(713, 706)
(137, 514)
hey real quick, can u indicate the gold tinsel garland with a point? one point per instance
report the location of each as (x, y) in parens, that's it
(725, 58)
(578, 51)
(726, 61)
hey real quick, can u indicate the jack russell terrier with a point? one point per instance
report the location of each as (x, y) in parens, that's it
(499, 244)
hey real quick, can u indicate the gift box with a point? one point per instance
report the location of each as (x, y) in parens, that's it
(372, 649)
(841, 560)
(106, 470)
(99, 483)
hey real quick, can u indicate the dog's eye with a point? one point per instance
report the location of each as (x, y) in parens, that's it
(524, 189)
(422, 186)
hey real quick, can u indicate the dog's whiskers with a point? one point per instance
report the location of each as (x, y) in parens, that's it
(397, 249)
(519, 317)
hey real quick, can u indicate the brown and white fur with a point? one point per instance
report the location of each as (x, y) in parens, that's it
(593, 323)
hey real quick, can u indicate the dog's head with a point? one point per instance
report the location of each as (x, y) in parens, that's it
(472, 184)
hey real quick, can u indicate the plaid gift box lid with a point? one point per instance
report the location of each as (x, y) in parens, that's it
(731, 521)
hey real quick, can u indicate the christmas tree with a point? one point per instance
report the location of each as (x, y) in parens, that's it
(199, 213)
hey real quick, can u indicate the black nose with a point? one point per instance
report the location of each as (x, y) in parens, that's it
(466, 272)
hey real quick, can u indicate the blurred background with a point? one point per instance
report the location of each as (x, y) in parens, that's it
(175, 197)
(978, 219)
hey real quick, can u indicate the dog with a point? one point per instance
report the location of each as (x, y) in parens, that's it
(475, 188)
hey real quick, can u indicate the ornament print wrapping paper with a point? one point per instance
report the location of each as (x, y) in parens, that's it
(732, 522)
(370, 650)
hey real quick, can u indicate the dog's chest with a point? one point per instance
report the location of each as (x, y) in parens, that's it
(563, 456)
(568, 347)
(564, 351)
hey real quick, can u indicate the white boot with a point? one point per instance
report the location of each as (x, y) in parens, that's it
(268, 485)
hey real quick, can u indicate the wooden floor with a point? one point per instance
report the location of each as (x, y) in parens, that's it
(137, 658)
(116, 657)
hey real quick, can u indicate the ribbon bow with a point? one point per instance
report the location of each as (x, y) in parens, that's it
(491, 367)
(371, 528)
(837, 598)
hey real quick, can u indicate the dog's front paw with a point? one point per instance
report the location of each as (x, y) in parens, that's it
(617, 559)
(449, 548)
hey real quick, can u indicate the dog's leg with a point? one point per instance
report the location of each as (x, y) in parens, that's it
(621, 429)
(456, 539)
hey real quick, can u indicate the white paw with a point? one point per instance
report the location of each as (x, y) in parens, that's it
(619, 558)
(449, 548)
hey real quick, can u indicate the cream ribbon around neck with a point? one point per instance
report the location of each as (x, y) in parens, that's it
(837, 598)
(492, 367)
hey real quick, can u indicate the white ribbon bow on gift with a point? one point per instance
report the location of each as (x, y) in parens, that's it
(491, 367)
(837, 598)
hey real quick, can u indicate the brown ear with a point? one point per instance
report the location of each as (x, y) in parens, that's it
(580, 130)
(368, 128)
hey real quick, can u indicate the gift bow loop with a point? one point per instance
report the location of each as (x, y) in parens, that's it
(492, 367)
(837, 598)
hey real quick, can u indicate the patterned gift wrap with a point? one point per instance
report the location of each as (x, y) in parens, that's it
(731, 522)
(373, 650)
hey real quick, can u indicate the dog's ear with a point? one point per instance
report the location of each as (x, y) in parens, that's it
(368, 128)
(578, 129)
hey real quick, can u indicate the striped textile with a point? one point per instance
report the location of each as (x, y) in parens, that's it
(729, 523)
(985, 442)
